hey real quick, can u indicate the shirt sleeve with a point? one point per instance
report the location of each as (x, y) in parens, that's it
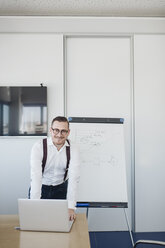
(36, 170)
(74, 176)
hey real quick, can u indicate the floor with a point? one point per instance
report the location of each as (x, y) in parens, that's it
(122, 239)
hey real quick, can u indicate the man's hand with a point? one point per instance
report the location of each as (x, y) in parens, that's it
(72, 215)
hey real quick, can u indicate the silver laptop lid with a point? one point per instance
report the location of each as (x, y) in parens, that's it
(44, 215)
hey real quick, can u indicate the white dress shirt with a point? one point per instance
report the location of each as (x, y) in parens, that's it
(54, 169)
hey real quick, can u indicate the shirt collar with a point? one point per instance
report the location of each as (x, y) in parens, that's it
(50, 142)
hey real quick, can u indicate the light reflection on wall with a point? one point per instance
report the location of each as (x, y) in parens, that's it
(5, 119)
(34, 120)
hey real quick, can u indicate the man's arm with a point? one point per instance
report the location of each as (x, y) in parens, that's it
(74, 176)
(36, 170)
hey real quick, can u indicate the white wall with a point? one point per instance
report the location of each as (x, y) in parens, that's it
(31, 59)
(27, 59)
(31, 52)
(150, 132)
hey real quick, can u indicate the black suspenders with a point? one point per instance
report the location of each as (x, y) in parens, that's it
(68, 160)
(44, 154)
(45, 157)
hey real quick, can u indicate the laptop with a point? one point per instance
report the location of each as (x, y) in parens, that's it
(44, 215)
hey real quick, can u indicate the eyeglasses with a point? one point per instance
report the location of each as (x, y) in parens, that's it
(57, 131)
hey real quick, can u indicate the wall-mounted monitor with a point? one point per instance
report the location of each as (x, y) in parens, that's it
(23, 111)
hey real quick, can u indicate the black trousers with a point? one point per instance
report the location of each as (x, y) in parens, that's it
(54, 192)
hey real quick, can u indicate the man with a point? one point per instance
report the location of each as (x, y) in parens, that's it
(56, 182)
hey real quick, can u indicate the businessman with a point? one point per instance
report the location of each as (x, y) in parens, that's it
(55, 166)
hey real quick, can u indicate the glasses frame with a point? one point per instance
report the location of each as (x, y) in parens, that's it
(62, 132)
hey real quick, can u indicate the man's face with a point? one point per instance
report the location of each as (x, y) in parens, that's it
(59, 132)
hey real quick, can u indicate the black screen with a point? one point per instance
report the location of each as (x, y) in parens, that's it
(23, 111)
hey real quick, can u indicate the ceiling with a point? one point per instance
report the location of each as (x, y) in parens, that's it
(111, 8)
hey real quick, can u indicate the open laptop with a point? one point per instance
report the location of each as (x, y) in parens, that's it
(44, 215)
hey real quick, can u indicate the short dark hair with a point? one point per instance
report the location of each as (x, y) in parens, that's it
(60, 119)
